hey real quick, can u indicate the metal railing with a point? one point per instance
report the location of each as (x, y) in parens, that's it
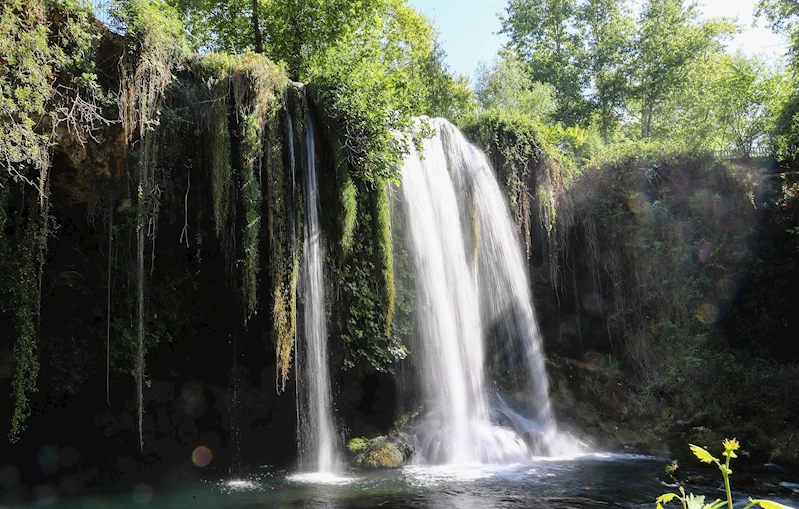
(754, 152)
(100, 8)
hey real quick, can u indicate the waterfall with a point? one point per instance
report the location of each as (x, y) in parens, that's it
(292, 167)
(471, 277)
(316, 430)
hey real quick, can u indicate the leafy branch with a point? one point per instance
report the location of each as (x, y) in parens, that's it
(691, 501)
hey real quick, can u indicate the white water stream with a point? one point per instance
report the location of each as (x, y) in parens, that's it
(317, 431)
(470, 273)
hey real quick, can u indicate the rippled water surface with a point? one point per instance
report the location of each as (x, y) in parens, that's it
(595, 481)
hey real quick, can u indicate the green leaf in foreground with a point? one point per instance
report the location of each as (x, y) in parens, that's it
(702, 454)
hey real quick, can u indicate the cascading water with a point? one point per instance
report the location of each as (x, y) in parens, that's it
(470, 272)
(292, 167)
(317, 432)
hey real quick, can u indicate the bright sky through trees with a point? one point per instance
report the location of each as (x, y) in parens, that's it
(469, 29)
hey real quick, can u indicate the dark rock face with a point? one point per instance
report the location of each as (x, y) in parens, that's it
(599, 406)
(536, 442)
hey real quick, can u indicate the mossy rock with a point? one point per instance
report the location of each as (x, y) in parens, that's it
(384, 455)
(358, 445)
(391, 451)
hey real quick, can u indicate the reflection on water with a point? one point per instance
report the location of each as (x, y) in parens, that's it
(320, 478)
(594, 480)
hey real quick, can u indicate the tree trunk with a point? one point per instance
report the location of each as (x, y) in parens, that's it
(256, 28)
(646, 121)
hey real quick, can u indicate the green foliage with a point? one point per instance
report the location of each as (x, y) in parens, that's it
(374, 80)
(357, 445)
(609, 30)
(660, 258)
(445, 95)
(373, 65)
(731, 102)
(355, 97)
(218, 150)
(349, 208)
(39, 40)
(257, 86)
(783, 17)
(157, 45)
(295, 30)
(370, 341)
(24, 85)
(669, 39)
(786, 131)
(154, 34)
(340, 197)
(504, 84)
(603, 65)
(322, 37)
(217, 25)
(371, 85)
(292, 30)
(19, 295)
(152, 27)
(545, 34)
(385, 252)
(244, 97)
(698, 502)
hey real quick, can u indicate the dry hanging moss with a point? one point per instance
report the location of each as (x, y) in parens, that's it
(284, 231)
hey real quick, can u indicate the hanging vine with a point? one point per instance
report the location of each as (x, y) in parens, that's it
(156, 46)
(39, 40)
(257, 86)
(385, 251)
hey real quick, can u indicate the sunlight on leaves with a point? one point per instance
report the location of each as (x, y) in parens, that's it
(767, 504)
(702, 454)
(666, 498)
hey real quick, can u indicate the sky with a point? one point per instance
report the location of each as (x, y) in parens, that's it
(469, 29)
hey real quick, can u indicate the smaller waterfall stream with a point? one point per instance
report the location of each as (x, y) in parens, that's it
(317, 432)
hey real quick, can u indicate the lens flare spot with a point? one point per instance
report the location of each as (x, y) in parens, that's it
(726, 289)
(142, 494)
(45, 495)
(639, 203)
(202, 456)
(47, 459)
(707, 313)
(704, 252)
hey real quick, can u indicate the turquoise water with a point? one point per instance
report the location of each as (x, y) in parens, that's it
(595, 481)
